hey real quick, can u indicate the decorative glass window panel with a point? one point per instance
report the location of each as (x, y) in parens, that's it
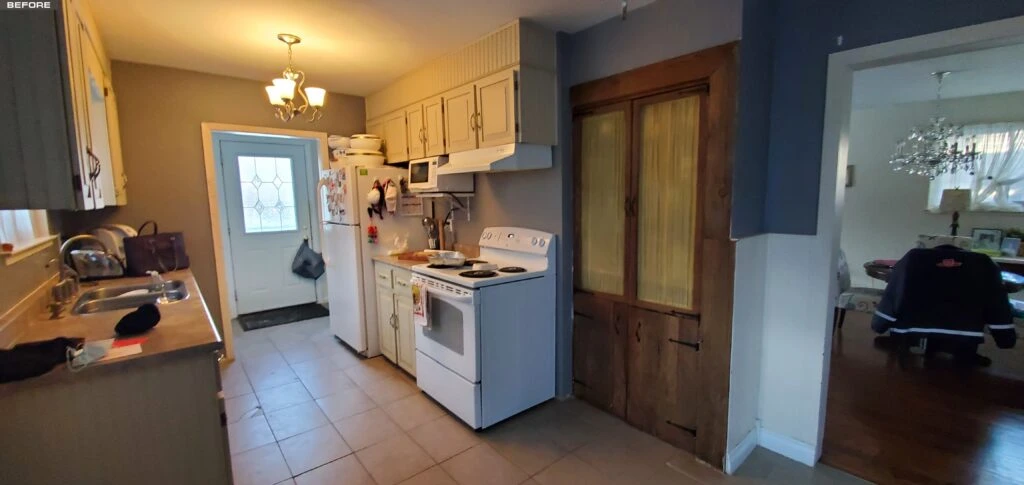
(268, 194)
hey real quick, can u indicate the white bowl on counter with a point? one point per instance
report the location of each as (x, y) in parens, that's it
(369, 158)
(365, 141)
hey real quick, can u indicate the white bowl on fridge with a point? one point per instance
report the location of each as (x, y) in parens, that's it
(365, 141)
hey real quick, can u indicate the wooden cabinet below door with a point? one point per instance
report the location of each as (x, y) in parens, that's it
(599, 353)
(662, 379)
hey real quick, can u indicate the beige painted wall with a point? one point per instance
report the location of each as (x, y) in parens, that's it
(160, 111)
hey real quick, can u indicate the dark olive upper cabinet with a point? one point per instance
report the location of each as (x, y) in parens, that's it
(59, 142)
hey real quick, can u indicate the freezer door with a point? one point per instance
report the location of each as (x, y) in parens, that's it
(352, 200)
(344, 262)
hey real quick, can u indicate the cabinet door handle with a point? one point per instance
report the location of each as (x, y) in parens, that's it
(394, 321)
(472, 121)
(479, 121)
(629, 206)
(639, 325)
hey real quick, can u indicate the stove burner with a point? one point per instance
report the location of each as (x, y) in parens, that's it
(512, 269)
(478, 274)
(471, 262)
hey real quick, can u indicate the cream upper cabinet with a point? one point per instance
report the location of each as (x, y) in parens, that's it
(56, 73)
(117, 163)
(406, 332)
(496, 109)
(98, 134)
(459, 118)
(375, 127)
(414, 131)
(395, 137)
(433, 126)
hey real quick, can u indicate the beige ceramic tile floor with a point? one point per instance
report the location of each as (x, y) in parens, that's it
(303, 409)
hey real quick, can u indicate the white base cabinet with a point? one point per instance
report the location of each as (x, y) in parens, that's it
(394, 316)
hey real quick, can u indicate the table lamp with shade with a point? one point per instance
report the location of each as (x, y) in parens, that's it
(953, 201)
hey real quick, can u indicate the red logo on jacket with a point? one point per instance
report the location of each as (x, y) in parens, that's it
(949, 263)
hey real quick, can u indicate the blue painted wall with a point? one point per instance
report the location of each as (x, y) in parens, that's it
(804, 34)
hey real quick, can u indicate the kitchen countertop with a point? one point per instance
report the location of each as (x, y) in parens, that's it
(185, 327)
(401, 263)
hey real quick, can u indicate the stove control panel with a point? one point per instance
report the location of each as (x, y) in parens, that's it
(517, 239)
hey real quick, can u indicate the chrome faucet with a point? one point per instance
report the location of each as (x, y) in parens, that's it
(160, 284)
(64, 291)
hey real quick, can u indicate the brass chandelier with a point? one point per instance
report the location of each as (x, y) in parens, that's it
(282, 92)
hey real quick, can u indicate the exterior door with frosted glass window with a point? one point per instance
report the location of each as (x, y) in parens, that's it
(267, 205)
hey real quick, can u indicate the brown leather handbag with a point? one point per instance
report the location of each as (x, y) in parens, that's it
(159, 251)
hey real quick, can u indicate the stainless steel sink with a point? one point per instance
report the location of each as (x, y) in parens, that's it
(118, 297)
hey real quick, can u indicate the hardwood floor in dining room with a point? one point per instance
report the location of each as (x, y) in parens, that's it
(935, 425)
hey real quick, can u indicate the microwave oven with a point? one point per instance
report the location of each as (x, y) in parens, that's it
(423, 177)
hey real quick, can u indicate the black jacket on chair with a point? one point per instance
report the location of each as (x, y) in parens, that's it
(946, 292)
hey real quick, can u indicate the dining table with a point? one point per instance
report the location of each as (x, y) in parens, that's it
(881, 269)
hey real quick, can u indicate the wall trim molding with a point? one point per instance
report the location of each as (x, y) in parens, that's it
(793, 449)
(224, 283)
(735, 457)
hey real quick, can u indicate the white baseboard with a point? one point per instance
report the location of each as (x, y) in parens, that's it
(788, 447)
(736, 456)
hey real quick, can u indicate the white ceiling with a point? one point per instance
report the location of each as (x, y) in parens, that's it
(348, 46)
(990, 71)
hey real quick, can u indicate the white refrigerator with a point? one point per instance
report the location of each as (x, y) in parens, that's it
(348, 252)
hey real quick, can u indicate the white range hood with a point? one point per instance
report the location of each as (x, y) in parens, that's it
(502, 158)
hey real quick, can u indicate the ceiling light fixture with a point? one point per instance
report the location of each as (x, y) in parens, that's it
(282, 92)
(936, 148)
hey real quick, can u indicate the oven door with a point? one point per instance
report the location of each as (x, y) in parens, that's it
(423, 174)
(451, 337)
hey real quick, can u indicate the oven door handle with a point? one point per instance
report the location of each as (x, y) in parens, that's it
(446, 295)
(443, 294)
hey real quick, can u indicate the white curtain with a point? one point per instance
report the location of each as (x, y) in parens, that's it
(1000, 165)
(999, 168)
(22, 227)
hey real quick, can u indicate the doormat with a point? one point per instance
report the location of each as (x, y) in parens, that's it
(280, 316)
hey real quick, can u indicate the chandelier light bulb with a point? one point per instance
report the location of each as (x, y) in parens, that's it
(316, 96)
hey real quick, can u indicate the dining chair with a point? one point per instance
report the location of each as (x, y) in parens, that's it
(856, 298)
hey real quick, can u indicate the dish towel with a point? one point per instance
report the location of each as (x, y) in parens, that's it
(420, 312)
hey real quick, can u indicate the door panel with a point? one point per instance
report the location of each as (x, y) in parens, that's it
(406, 334)
(662, 379)
(395, 139)
(496, 108)
(601, 193)
(459, 107)
(99, 136)
(667, 215)
(267, 199)
(433, 126)
(599, 353)
(385, 320)
(414, 131)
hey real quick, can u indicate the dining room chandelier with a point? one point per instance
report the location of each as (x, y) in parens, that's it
(936, 148)
(282, 92)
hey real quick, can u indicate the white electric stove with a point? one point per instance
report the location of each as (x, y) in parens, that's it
(488, 352)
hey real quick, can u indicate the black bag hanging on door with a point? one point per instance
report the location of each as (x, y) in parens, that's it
(308, 263)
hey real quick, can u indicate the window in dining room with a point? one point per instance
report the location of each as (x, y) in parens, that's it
(997, 184)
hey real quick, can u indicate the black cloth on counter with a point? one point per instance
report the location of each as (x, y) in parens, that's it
(139, 321)
(32, 359)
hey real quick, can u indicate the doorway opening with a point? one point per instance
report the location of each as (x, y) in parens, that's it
(262, 186)
(893, 417)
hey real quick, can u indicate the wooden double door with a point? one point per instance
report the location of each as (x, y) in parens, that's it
(636, 338)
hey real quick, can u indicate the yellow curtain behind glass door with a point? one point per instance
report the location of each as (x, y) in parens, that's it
(667, 220)
(602, 192)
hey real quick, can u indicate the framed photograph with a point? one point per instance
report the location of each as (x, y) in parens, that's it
(986, 240)
(1010, 246)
